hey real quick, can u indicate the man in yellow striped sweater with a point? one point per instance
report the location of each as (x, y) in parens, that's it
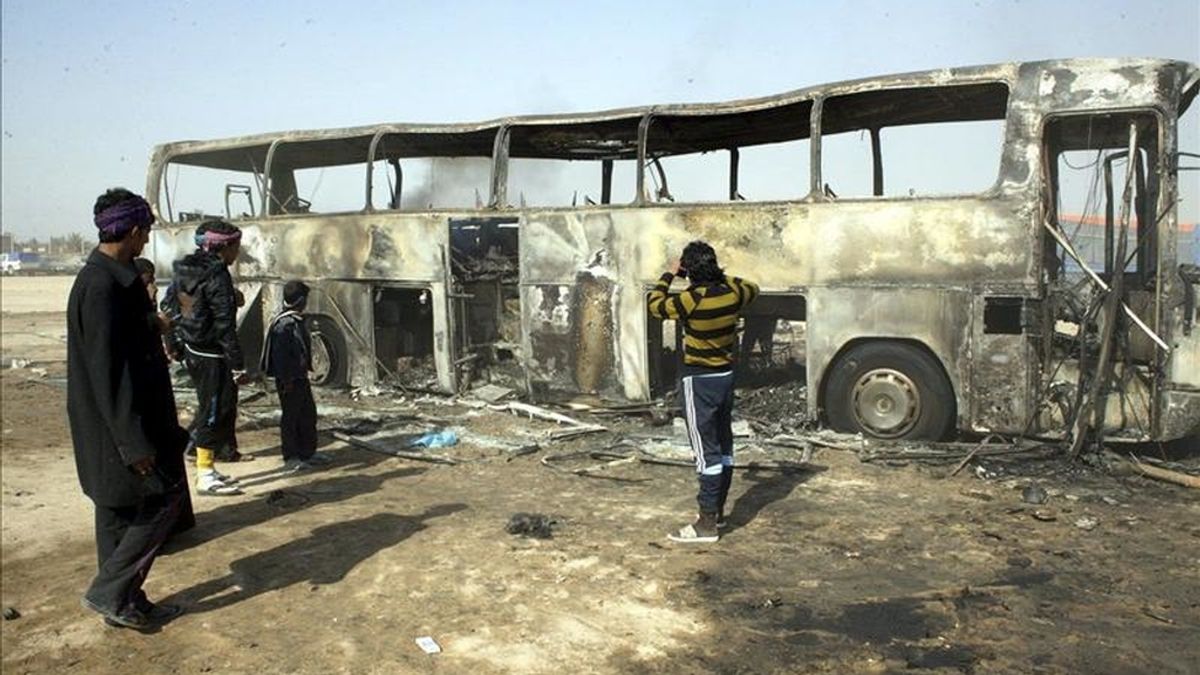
(709, 311)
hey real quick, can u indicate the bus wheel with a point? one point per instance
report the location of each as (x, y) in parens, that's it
(330, 360)
(889, 390)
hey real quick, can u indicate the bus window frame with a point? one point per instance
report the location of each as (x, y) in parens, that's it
(164, 198)
(1160, 166)
(817, 135)
(644, 159)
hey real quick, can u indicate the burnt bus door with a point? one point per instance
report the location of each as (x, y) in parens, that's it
(481, 263)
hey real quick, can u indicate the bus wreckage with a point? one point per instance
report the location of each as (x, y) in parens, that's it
(453, 254)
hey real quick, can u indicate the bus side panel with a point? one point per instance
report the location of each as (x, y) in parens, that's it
(1181, 396)
(571, 306)
(939, 319)
(168, 244)
(1004, 372)
(386, 247)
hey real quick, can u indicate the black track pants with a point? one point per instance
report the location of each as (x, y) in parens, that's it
(216, 393)
(708, 411)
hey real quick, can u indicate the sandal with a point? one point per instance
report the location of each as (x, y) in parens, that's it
(213, 486)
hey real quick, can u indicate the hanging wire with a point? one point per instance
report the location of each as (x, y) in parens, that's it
(316, 186)
(1087, 144)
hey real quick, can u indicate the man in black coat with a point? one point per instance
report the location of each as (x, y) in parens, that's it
(122, 413)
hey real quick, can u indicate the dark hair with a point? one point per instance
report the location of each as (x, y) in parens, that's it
(110, 198)
(143, 267)
(294, 292)
(700, 261)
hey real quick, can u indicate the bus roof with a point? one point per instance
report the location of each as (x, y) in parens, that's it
(975, 92)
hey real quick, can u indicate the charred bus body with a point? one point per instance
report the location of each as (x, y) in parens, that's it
(908, 313)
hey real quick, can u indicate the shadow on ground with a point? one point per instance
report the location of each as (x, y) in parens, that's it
(766, 488)
(232, 517)
(323, 557)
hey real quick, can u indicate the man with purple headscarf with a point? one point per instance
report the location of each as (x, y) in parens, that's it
(127, 438)
(207, 326)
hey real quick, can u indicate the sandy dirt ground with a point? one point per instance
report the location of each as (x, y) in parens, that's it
(846, 567)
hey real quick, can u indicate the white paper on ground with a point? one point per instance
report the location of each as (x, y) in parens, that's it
(428, 645)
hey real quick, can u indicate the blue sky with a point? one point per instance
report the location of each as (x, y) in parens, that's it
(87, 89)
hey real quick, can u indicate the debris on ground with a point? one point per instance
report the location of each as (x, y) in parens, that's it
(573, 427)
(286, 499)
(370, 391)
(1157, 616)
(1146, 467)
(535, 525)
(492, 393)
(1044, 516)
(383, 447)
(665, 451)
(11, 613)
(1034, 494)
(428, 645)
(775, 409)
(655, 409)
(414, 373)
(442, 438)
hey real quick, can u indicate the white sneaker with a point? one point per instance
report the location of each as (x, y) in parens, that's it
(296, 466)
(210, 483)
(224, 478)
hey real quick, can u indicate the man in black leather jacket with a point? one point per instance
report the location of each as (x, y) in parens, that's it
(207, 327)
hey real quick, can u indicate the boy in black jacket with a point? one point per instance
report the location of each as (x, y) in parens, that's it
(207, 327)
(287, 356)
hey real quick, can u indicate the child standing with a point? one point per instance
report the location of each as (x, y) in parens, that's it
(287, 357)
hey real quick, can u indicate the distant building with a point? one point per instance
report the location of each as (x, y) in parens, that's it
(1087, 234)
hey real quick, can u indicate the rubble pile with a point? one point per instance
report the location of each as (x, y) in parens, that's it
(776, 409)
(415, 372)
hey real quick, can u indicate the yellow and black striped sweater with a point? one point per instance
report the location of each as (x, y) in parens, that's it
(709, 313)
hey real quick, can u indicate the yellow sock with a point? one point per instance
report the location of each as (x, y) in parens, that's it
(204, 459)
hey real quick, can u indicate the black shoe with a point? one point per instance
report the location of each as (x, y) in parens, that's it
(159, 614)
(129, 617)
(233, 456)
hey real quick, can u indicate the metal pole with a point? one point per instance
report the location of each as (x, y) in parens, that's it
(1098, 397)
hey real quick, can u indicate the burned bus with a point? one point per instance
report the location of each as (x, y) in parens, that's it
(909, 300)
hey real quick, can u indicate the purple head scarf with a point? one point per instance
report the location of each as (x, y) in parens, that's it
(211, 240)
(118, 219)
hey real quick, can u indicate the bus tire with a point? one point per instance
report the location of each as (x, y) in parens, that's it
(330, 358)
(890, 390)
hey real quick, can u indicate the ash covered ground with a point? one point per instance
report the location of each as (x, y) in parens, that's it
(1017, 564)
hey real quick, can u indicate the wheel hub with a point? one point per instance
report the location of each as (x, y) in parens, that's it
(322, 360)
(886, 402)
